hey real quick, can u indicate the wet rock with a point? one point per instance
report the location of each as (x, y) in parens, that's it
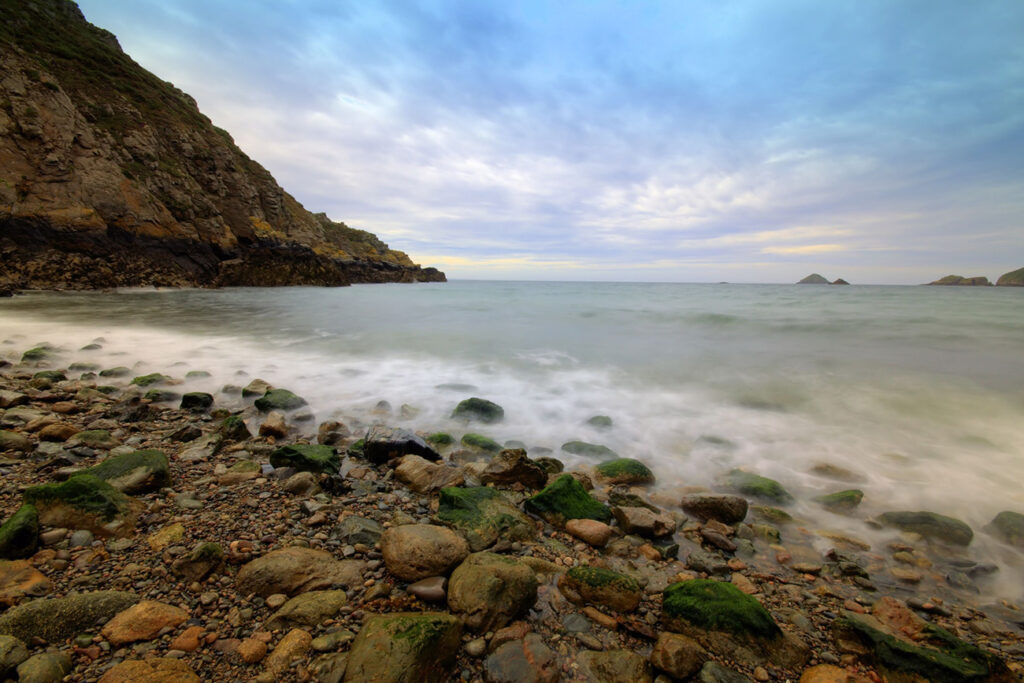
(100, 439)
(432, 589)
(204, 560)
(590, 531)
(274, 425)
(302, 484)
(829, 673)
(12, 653)
(142, 621)
(386, 443)
(256, 387)
(677, 655)
(624, 471)
(522, 661)
(400, 647)
(512, 466)
(590, 450)
(756, 486)
(602, 587)
(295, 570)
(643, 522)
(708, 563)
(252, 651)
(45, 667)
(11, 442)
(162, 670)
(614, 666)
(20, 580)
(84, 502)
(417, 551)
(202, 448)
(135, 472)
(931, 525)
(841, 501)
(480, 442)
(11, 399)
(151, 379)
(307, 609)
(54, 619)
(479, 410)
(713, 672)
(196, 401)
(489, 590)
(423, 476)
(1008, 527)
(58, 432)
(483, 515)
(307, 458)
(600, 422)
(727, 509)
(565, 499)
(19, 534)
(278, 399)
(354, 529)
(233, 429)
(296, 643)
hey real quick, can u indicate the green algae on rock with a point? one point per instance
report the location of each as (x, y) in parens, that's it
(119, 371)
(931, 525)
(598, 586)
(84, 502)
(1008, 527)
(54, 619)
(756, 486)
(279, 399)
(483, 515)
(19, 534)
(405, 646)
(440, 439)
(625, 471)
(590, 450)
(717, 606)
(135, 472)
(479, 409)
(841, 501)
(307, 458)
(481, 442)
(233, 429)
(565, 499)
(150, 379)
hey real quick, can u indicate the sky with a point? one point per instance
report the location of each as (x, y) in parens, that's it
(879, 141)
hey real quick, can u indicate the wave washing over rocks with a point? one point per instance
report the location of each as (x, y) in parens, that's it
(154, 529)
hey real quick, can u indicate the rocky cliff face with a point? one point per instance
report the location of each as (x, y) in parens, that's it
(110, 176)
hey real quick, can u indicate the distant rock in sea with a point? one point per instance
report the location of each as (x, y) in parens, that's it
(960, 281)
(840, 281)
(813, 279)
(1014, 278)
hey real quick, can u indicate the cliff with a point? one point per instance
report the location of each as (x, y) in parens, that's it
(1014, 278)
(110, 176)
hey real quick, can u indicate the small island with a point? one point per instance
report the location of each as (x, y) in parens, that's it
(816, 279)
(961, 281)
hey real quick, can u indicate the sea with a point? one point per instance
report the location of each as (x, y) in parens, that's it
(919, 391)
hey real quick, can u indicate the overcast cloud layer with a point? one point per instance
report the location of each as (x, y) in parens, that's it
(747, 141)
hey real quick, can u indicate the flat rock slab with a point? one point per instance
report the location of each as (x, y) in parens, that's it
(296, 570)
(307, 609)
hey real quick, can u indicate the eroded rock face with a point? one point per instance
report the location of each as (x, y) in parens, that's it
(116, 179)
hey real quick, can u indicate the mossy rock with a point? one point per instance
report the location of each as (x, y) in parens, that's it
(756, 486)
(55, 619)
(1008, 527)
(135, 472)
(162, 396)
(107, 389)
(307, 458)
(481, 442)
(939, 656)
(51, 375)
(83, 367)
(233, 429)
(14, 441)
(600, 422)
(550, 465)
(405, 646)
(772, 515)
(483, 515)
(279, 399)
(479, 409)
(150, 379)
(197, 374)
(590, 450)
(119, 371)
(357, 449)
(488, 590)
(716, 606)
(625, 471)
(603, 587)
(196, 401)
(565, 499)
(931, 525)
(841, 501)
(19, 535)
(84, 502)
(441, 439)
(37, 353)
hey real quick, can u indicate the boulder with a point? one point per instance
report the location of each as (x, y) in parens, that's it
(1007, 526)
(590, 450)
(354, 529)
(84, 502)
(233, 429)
(480, 442)
(813, 279)
(479, 410)
(20, 580)
(12, 653)
(756, 486)
(274, 425)
(614, 666)
(157, 670)
(12, 399)
(483, 515)
(1015, 278)
(405, 647)
(14, 442)
(931, 525)
(142, 621)
(99, 439)
(279, 399)
(19, 534)
(527, 660)
(45, 667)
(842, 502)
(423, 476)
(624, 471)
(295, 570)
(489, 590)
(307, 609)
(151, 379)
(135, 472)
(724, 508)
(383, 444)
(728, 622)
(196, 401)
(202, 448)
(54, 619)
(307, 458)
(590, 531)
(565, 499)
(644, 522)
(415, 551)
(678, 655)
(601, 587)
(295, 644)
(512, 466)
(257, 387)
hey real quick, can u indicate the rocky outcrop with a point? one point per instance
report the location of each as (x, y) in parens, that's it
(961, 281)
(112, 177)
(1015, 278)
(813, 279)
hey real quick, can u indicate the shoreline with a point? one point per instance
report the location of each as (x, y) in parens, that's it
(225, 491)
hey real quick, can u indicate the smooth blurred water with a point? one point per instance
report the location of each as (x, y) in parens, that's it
(919, 389)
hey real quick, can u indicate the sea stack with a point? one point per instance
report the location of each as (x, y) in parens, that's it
(813, 279)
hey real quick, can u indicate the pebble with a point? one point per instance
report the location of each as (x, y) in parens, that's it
(476, 647)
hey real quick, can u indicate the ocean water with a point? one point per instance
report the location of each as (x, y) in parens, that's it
(920, 390)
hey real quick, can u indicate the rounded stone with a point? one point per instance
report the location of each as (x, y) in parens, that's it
(417, 551)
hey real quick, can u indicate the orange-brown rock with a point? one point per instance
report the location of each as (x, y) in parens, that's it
(295, 644)
(252, 650)
(152, 671)
(827, 673)
(142, 621)
(19, 579)
(187, 640)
